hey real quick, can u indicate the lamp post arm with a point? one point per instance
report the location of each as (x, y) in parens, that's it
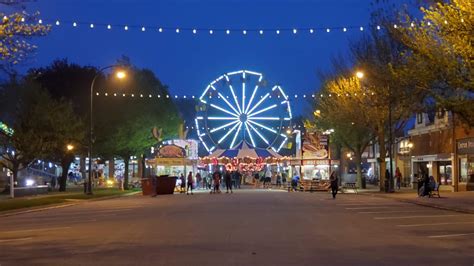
(91, 125)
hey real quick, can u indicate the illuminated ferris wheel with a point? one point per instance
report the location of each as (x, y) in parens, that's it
(228, 113)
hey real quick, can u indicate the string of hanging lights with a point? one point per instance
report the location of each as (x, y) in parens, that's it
(210, 31)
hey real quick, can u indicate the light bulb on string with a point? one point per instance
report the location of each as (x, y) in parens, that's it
(311, 31)
(109, 27)
(328, 30)
(143, 29)
(344, 29)
(92, 25)
(74, 24)
(194, 31)
(295, 31)
(57, 23)
(160, 29)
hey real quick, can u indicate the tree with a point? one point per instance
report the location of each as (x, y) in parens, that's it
(346, 113)
(441, 55)
(30, 123)
(15, 31)
(123, 125)
(68, 131)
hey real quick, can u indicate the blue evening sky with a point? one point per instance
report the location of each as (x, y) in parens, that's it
(187, 62)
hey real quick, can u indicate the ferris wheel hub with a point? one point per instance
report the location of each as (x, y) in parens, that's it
(243, 118)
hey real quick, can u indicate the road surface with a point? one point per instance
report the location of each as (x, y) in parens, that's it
(249, 227)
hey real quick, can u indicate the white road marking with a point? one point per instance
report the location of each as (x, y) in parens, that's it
(35, 230)
(15, 239)
(452, 235)
(371, 204)
(379, 212)
(416, 225)
(418, 216)
(372, 207)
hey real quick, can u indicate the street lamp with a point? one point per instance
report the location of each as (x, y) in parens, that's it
(69, 147)
(120, 74)
(359, 74)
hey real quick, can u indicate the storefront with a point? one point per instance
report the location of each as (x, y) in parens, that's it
(465, 152)
(440, 166)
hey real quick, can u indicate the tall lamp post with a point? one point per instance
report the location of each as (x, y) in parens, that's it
(120, 75)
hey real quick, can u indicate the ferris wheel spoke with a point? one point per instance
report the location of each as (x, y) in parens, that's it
(282, 143)
(233, 95)
(223, 126)
(225, 100)
(253, 93)
(263, 118)
(228, 133)
(250, 133)
(258, 133)
(221, 118)
(263, 126)
(258, 103)
(235, 136)
(263, 110)
(223, 110)
(243, 90)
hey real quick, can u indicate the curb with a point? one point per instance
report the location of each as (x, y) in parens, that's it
(62, 205)
(420, 203)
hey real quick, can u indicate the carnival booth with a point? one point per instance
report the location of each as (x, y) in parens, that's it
(174, 157)
(243, 158)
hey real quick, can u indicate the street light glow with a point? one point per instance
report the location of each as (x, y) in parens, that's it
(359, 74)
(70, 147)
(120, 74)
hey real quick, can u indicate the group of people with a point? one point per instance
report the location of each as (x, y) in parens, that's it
(426, 184)
(213, 182)
(269, 178)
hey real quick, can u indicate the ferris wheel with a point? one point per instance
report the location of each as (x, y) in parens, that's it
(229, 114)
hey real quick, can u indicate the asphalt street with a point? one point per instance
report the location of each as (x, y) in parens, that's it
(249, 227)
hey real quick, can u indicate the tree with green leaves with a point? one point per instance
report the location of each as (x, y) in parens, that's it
(69, 133)
(30, 121)
(345, 111)
(124, 125)
(440, 54)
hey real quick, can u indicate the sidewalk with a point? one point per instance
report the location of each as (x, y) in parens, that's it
(55, 199)
(455, 201)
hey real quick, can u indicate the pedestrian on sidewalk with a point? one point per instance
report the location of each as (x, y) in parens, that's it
(183, 183)
(198, 180)
(217, 182)
(334, 184)
(398, 177)
(228, 181)
(190, 184)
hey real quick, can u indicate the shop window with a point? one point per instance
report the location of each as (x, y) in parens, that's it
(466, 170)
(463, 168)
(419, 118)
(445, 173)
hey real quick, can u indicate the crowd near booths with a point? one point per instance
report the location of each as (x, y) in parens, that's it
(247, 160)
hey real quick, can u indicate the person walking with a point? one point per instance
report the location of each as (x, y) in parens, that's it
(398, 177)
(183, 183)
(190, 184)
(278, 180)
(268, 178)
(334, 184)
(228, 181)
(198, 180)
(217, 182)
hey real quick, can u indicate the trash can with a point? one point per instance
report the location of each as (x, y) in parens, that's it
(363, 182)
(147, 187)
(165, 184)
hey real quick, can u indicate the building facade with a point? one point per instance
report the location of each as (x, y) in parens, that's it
(443, 148)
